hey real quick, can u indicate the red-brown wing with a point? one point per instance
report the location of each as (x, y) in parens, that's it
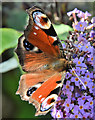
(40, 32)
(44, 42)
(32, 60)
(41, 89)
(39, 46)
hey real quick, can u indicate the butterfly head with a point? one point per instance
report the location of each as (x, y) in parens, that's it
(39, 17)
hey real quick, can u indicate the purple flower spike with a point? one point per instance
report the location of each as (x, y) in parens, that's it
(73, 100)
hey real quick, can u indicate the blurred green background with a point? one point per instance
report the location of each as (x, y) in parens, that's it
(14, 19)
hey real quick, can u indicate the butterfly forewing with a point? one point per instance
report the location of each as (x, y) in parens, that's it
(41, 33)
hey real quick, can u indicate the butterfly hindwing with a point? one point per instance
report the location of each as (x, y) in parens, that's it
(34, 93)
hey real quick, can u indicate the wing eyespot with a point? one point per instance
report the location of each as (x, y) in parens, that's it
(45, 19)
(51, 100)
(28, 46)
(30, 91)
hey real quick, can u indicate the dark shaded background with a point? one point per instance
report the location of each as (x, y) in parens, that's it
(14, 16)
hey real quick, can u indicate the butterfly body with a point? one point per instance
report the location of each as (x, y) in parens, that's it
(41, 55)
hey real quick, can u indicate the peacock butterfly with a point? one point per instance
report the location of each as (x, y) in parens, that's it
(42, 57)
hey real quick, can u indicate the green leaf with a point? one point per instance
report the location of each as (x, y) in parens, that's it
(9, 38)
(62, 31)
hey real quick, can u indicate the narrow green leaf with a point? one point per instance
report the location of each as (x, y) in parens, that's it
(8, 65)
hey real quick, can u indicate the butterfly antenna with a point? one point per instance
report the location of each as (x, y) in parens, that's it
(78, 77)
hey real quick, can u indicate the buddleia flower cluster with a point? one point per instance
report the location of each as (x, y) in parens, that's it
(76, 99)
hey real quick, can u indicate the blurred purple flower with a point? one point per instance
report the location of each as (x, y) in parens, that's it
(68, 105)
(67, 89)
(76, 81)
(77, 94)
(75, 109)
(86, 47)
(91, 87)
(93, 20)
(76, 115)
(87, 14)
(81, 26)
(83, 107)
(90, 101)
(83, 15)
(63, 45)
(59, 114)
(79, 62)
(68, 75)
(78, 70)
(86, 115)
(54, 112)
(84, 97)
(90, 59)
(89, 75)
(74, 56)
(83, 70)
(86, 81)
(73, 11)
(82, 39)
(92, 33)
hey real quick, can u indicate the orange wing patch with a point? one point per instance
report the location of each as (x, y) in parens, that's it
(30, 60)
(47, 86)
(42, 85)
(40, 39)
